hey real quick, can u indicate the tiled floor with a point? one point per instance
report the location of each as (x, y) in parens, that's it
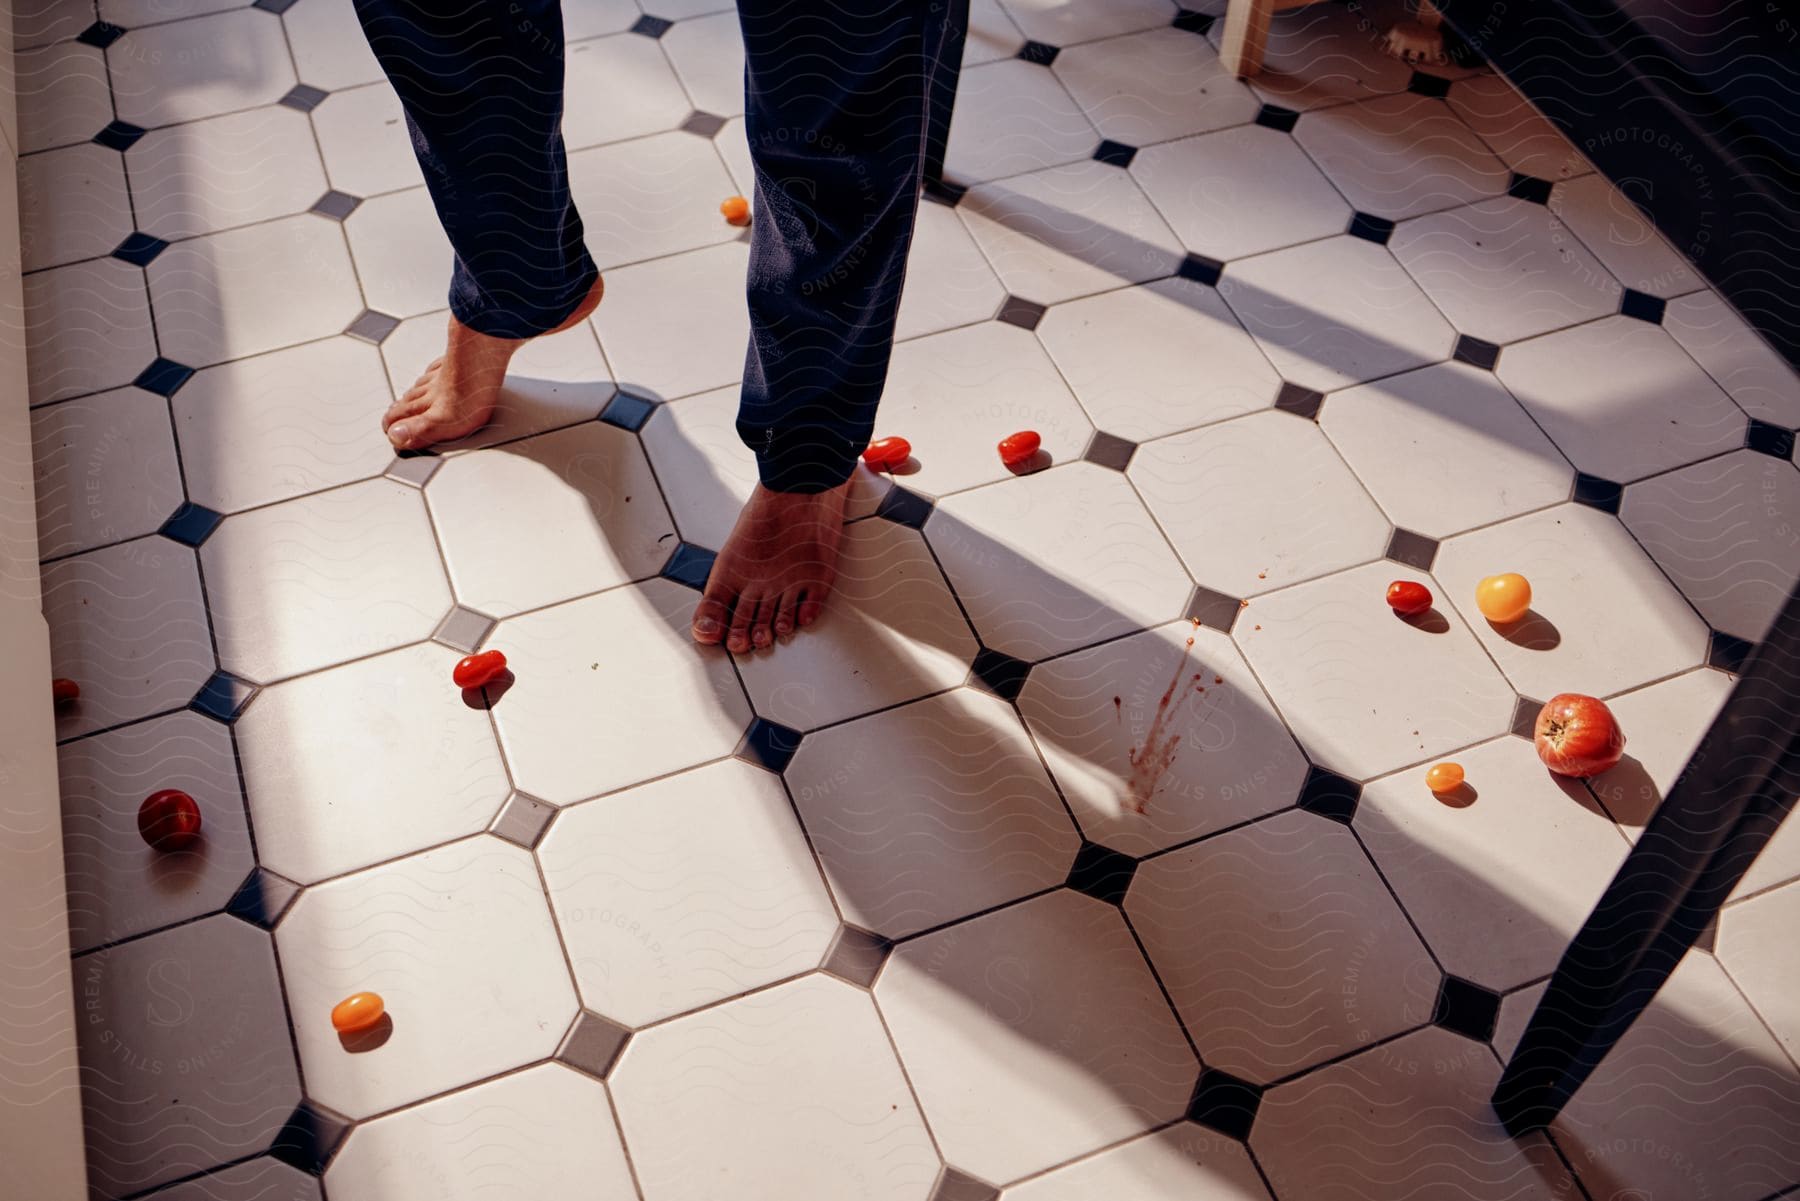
(1083, 851)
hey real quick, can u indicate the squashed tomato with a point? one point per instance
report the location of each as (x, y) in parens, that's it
(169, 820)
(477, 670)
(1407, 598)
(1503, 598)
(1444, 777)
(1017, 449)
(1578, 735)
(887, 454)
(356, 1012)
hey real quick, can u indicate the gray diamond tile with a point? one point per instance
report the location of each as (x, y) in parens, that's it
(463, 629)
(593, 1044)
(523, 820)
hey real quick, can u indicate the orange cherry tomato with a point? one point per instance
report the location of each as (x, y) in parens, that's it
(356, 1012)
(477, 670)
(1017, 449)
(64, 691)
(169, 820)
(1444, 777)
(1503, 598)
(1408, 598)
(887, 454)
(736, 210)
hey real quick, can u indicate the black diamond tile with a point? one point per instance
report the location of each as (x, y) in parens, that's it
(273, 6)
(119, 135)
(1468, 1009)
(1643, 306)
(101, 34)
(651, 27)
(1025, 314)
(1301, 402)
(304, 97)
(628, 411)
(592, 1044)
(336, 205)
(1102, 873)
(1215, 610)
(905, 508)
(1727, 652)
(164, 377)
(139, 249)
(1041, 53)
(1000, 673)
(856, 955)
(372, 326)
(1224, 1103)
(1114, 154)
(1273, 116)
(1192, 22)
(191, 524)
(1426, 84)
(703, 123)
(1110, 450)
(1475, 352)
(1596, 493)
(1201, 269)
(955, 1185)
(1525, 715)
(1770, 439)
(310, 1137)
(768, 744)
(223, 697)
(262, 898)
(413, 467)
(1414, 550)
(689, 565)
(1371, 228)
(1330, 795)
(523, 820)
(1529, 187)
(945, 192)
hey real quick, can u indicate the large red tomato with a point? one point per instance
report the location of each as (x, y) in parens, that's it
(1578, 735)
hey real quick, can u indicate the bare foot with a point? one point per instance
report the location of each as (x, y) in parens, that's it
(457, 393)
(775, 571)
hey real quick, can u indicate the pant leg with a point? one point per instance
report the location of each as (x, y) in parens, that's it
(837, 102)
(482, 88)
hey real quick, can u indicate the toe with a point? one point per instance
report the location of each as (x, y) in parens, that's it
(711, 615)
(762, 632)
(810, 607)
(743, 614)
(784, 612)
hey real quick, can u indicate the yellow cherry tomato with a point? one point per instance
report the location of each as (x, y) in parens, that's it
(358, 1011)
(1444, 777)
(1503, 598)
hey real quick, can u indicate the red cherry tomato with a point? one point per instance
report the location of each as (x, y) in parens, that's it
(1017, 449)
(1578, 735)
(169, 820)
(887, 454)
(357, 1012)
(477, 670)
(64, 691)
(1407, 598)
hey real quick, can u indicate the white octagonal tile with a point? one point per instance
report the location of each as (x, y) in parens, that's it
(364, 141)
(1034, 1034)
(87, 327)
(366, 762)
(459, 944)
(323, 579)
(660, 195)
(1239, 192)
(610, 690)
(708, 53)
(545, 1132)
(1753, 946)
(622, 86)
(1663, 726)
(1106, 717)
(1499, 877)
(1602, 618)
(1364, 691)
(1620, 398)
(1513, 129)
(1280, 946)
(1057, 560)
(1183, 1160)
(1011, 117)
(1060, 23)
(105, 470)
(1736, 356)
(280, 425)
(183, 71)
(930, 812)
(210, 175)
(330, 49)
(548, 518)
(403, 257)
(685, 891)
(1069, 231)
(707, 288)
(128, 624)
(72, 205)
(1445, 448)
(1612, 227)
(992, 34)
(1400, 156)
(788, 1093)
(1158, 358)
(1257, 503)
(948, 280)
(1336, 312)
(1727, 531)
(1153, 86)
(62, 94)
(118, 886)
(891, 632)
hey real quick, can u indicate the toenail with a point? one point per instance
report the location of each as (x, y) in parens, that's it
(707, 625)
(399, 433)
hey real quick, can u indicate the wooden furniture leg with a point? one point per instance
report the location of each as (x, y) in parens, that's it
(1246, 33)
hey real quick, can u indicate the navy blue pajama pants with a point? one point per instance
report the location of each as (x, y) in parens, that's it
(838, 97)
